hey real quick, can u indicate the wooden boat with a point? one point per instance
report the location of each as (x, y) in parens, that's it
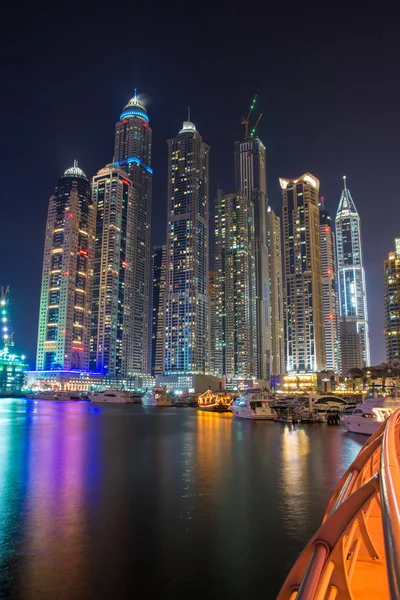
(215, 401)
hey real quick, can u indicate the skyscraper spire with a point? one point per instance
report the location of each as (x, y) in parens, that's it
(345, 183)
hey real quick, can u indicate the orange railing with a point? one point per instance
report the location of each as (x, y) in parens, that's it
(356, 551)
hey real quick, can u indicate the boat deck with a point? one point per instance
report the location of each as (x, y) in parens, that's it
(370, 579)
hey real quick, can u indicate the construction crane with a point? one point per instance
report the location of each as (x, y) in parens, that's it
(255, 126)
(246, 121)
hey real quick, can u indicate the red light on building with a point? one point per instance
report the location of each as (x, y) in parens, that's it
(76, 348)
(70, 215)
(330, 316)
(327, 228)
(329, 271)
(125, 264)
(84, 252)
(66, 273)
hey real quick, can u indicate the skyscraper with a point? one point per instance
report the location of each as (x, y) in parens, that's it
(351, 275)
(350, 345)
(276, 293)
(132, 152)
(329, 293)
(304, 320)
(157, 312)
(251, 181)
(187, 306)
(65, 302)
(111, 330)
(235, 287)
(392, 303)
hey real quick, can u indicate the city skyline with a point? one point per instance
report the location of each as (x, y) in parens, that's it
(356, 138)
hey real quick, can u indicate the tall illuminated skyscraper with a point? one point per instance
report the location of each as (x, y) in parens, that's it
(112, 341)
(304, 318)
(351, 275)
(65, 302)
(187, 304)
(392, 303)
(158, 270)
(276, 293)
(329, 293)
(235, 287)
(251, 181)
(132, 152)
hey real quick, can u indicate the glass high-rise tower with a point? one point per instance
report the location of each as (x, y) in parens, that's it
(235, 318)
(251, 181)
(304, 317)
(351, 274)
(329, 291)
(157, 309)
(187, 302)
(392, 303)
(65, 302)
(276, 293)
(112, 301)
(132, 152)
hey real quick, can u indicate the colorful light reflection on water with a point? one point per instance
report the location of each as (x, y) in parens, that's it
(101, 502)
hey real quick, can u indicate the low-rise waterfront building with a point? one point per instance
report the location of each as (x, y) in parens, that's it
(84, 381)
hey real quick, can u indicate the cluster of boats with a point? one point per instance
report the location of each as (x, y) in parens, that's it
(254, 404)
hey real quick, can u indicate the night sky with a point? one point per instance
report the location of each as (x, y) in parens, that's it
(327, 82)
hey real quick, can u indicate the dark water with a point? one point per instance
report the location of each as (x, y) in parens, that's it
(123, 501)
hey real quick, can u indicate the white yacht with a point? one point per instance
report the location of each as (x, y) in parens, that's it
(253, 405)
(157, 397)
(367, 417)
(111, 397)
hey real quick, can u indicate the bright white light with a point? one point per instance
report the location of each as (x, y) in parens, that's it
(5, 337)
(5, 329)
(3, 302)
(23, 357)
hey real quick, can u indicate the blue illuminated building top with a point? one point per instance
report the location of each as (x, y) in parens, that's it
(133, 112)
(133, 159)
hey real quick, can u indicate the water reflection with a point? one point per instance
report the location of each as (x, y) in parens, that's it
(98, 502)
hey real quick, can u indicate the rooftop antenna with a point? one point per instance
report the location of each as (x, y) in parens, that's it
(345, 182)
(245, 121)
(322, 202)
(75, 163)
(135, 94)
(189, 114)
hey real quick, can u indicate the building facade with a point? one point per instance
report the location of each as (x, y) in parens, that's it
(235, 354)
(329, 292)
(304, 320)
(187, 303)
(350, 345)
(158, 270)
(351, 275)
(276, 293)
(392, 304)
(132, 152)
(251, 181)
(111, 340)
(65, 302)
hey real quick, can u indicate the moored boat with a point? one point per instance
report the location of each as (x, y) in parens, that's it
(214, 401)
(366, 418)
(253, 405)
(158, 397)
(111, 397)
(58, 396)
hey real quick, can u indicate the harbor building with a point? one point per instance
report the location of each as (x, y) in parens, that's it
(112, 339)
(251, 182)
(235, 287)
(158, 270)
(329, 292)
(65, 302)
(276, 294)
(351, 275)
(187, 302)
(304, 317)
(12, 365)
(132, 152)
(392, 303)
